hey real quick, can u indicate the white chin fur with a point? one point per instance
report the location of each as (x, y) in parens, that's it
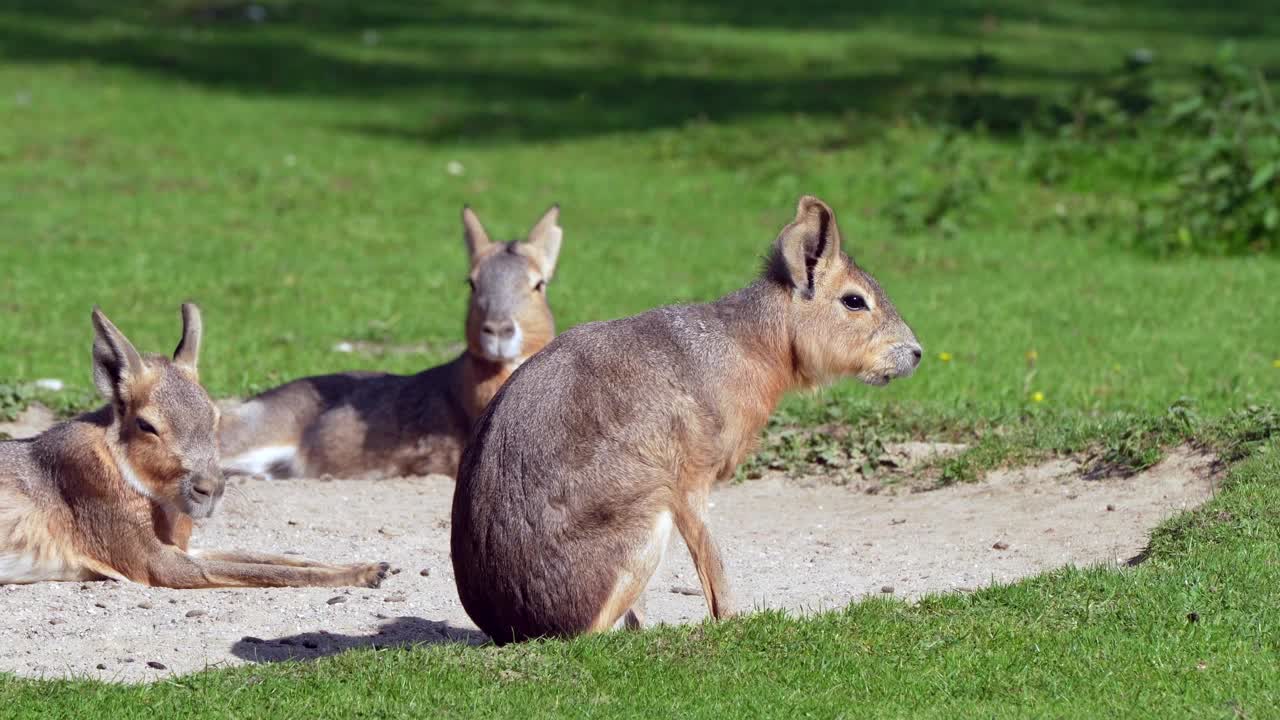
(875, 379)
(131, 477)
(203, 511)
(503, 350)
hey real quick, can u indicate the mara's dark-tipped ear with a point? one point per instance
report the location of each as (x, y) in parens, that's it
(545, 238)
(187, 355)
(473, 232)
(808, 247)
(116, 363)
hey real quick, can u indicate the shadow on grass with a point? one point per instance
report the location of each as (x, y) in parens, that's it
(401, 632)
(475, 71)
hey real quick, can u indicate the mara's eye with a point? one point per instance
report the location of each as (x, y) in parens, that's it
(854, 301)
(471, 284)
(147, 427)
(540, 286)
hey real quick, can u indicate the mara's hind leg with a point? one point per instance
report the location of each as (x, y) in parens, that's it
(633, 619)
(691, 520)
(633, 576)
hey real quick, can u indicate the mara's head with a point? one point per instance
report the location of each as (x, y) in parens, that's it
(164, 437)
(842, 323)
(508, 318)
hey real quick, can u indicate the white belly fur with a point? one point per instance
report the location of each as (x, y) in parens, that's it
(21, 568)
(261, 460)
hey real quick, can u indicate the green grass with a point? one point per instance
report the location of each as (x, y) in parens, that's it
(1194, 631)
(293, 180)
(291, 177)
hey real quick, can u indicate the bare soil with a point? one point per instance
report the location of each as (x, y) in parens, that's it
(803, 545)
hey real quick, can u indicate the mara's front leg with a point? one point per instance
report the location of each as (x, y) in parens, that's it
(174, 569)
(691, 520)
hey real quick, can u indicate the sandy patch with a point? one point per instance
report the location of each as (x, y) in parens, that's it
(35, 419)
(804, 545)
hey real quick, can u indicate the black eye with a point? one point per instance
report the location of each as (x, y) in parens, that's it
(540, 286)
(147, 427)
(471, 284)
(853, 301)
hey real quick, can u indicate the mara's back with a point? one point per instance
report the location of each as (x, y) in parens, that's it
(38, 526)
(349, 424)
(20, 478)
(16, 462)
(40, 468)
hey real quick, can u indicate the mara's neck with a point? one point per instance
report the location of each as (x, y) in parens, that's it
(755, 318)
(479, 379)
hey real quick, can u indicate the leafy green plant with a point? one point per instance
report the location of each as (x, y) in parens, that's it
(942, 195)
(1242, 432)
(14, 398)
(1224, 150)
(1110, 108)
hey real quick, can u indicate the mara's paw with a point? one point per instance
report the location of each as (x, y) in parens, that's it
(372, 575)
(724, 613)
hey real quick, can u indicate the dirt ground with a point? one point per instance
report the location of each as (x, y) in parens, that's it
(804, 545)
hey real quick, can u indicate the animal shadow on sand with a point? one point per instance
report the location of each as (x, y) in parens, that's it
(401, 632)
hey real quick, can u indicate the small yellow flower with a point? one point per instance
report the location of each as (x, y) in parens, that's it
(1037, 396)
(1032, 355)
(1275, 363)
(946, 357)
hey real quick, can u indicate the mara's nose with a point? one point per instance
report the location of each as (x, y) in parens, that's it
(917, 352)
(501, 330)
(206, 486)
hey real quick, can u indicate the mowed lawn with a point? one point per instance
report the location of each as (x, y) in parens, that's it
(298, 169)
(293, 177)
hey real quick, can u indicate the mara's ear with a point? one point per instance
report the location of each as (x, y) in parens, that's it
(808, 248)
(545, 238)
(187, 355)
(477, 239)
(116, 363)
